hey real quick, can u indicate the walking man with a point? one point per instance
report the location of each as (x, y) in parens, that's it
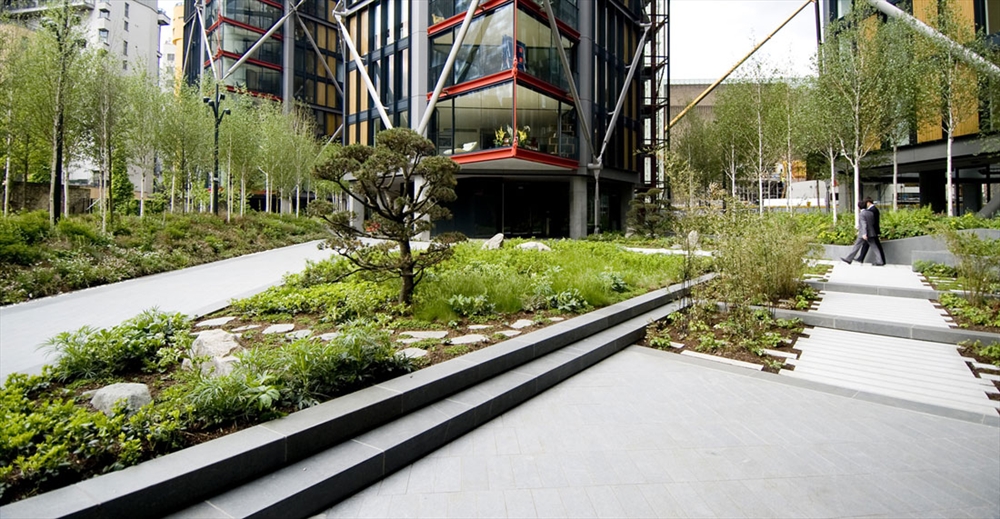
(866, 231)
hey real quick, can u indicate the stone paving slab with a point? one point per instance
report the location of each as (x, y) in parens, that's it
(652, 434)
(895, 276)
(921, 371)
(895, 309)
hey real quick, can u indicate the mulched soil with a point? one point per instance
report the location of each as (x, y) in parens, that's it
(772, 364)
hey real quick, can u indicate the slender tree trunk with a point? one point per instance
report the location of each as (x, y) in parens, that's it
(6, 174)
(298, 197)
(895, 177)
(406, 272)
(142, 193)
(243, 193)
(857, 191)
(833, 183)
(173, 190)
(267, 192)
(948, 175)
(55, 175)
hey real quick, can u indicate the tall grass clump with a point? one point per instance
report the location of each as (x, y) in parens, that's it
(760, 258)
(978, 264)
(572, 277)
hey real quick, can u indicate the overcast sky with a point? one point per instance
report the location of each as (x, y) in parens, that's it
(707, 37)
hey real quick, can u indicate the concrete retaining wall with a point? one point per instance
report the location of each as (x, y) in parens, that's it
(905, 251)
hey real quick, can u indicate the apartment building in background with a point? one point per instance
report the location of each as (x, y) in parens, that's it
(127, 29)
(922, 160)
(506, 113)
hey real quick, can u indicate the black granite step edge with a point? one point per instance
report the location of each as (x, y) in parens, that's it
(171, 482)
(324, 479)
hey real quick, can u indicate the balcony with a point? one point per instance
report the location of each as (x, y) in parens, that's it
(24, 7)
(162, 19)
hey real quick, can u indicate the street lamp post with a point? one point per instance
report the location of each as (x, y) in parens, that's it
(219, 114)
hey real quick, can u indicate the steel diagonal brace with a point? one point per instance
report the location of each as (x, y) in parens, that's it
(319, 54)
(362, 70)
(557, 41)
(260, 41)
(448, 66)
(621, 97)
(204, 36)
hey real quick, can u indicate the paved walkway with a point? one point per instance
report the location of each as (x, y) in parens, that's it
(920, 371)
(194, 291)
(652, 434)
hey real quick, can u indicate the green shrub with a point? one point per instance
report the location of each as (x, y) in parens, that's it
(310, 371)
(20, 237)
(135, 344)
(930, 268)
(78, 231)
(990, 352)
(240, 396)
(978, 264)
(337, 301)
(468, 306)
(987, 314)
(47, 440)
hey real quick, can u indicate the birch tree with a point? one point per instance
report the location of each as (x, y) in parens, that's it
(855, 78)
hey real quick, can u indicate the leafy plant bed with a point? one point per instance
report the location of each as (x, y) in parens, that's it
(984, 318)
(50, 436)
(742, 335)
(38, 260)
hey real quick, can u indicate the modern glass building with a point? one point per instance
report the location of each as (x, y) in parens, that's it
(507, 113)
(285, 67)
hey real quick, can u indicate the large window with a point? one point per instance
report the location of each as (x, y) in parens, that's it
(475, 121)
(250, 12)
(239, 40)
(254, 77)
(546, 124)
(488, 48)
(538, 57)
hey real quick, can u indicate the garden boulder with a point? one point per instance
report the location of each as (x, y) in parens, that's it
(534, 245)
(494, 243)
(134, 395)
(214, 343)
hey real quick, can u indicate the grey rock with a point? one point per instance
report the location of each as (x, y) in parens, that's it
(509, 333)
(413, 353)
(134, 395)
(299, 334)
(521, 323)
(410, 340)
(247, 327)
(534, 245)
(693, 239)
(426, 335)
(214, 343)
(219, 366)
(494, 243)
(472, 338)
(278, 328)
(328, 336)
(556, 319)
(480, 326)
(218, 321)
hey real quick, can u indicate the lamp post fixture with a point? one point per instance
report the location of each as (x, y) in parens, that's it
(219, 114)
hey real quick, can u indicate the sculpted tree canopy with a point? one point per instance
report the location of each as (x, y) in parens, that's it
(400, 184)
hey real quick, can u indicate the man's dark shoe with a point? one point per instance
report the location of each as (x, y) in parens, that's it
(845, 260)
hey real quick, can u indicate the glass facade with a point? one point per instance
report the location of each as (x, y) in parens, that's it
(488, 48)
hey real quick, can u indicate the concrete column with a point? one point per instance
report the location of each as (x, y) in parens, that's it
(418, 182)
(358, 210)
(585, 87)
(578, 207)
(419, 50)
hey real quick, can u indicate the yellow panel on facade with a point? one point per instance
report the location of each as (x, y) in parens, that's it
(320, 95)
(363, 128)
(925, 10)
(363, 33)
(969, 111)
(352, 86)
(321, 36)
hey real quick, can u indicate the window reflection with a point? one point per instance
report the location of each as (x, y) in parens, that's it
(545, 124)
(475, 121)
(540, 58)
(488, 48)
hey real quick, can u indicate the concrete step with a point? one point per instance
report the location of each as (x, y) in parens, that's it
(169, 483)
(986, 407)
(961, 381)
(323, 479)
(878, 385)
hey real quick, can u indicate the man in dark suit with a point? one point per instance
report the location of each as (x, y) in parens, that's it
(866, 229)
(873, 239)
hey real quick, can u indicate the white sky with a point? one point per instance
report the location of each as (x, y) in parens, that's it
(708, 37)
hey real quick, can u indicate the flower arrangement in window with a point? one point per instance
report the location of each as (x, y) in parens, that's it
(502, 136)
(522, 134)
